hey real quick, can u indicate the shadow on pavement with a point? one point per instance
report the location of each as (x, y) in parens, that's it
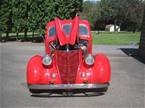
(24, 84)
(133, 52)
(61, 95)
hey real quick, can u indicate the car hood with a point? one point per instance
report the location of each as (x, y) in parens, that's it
(73, 33)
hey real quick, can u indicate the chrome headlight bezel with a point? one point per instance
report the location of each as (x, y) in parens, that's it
(47, 60)
(89, 59)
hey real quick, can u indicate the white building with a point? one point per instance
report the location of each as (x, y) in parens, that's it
(111, 28)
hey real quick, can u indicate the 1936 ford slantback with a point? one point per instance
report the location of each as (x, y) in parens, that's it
(68, 65)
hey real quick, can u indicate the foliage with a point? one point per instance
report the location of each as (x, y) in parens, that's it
(125, 13)
(31, 15)
(89, 13)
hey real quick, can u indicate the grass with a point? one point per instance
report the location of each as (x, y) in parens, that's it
(121, 38)
(21, 34)
(13, 36)
(108, 38)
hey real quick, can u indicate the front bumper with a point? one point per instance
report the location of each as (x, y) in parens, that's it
(67, 86)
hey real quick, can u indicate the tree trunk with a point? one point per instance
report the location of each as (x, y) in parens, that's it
(32, 35)
(0, 36)
(26, 18)
(7, 35)
(17, 33)
(134, 28)
(115, 22)
(25, 33)
(9, 24)
(40, 28)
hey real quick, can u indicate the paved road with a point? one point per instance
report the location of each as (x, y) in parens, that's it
(126, 89)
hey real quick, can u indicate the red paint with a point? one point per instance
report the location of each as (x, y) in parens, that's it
(68, 63)
(74, 31)
(68, 66)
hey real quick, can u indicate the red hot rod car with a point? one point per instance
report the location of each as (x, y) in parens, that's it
(68, 64)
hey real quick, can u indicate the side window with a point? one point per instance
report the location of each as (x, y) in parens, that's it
(52, 31)
(67, 29)
(83, 30)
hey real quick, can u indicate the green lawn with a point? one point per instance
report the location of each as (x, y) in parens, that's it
(121, 38)
(20, 34)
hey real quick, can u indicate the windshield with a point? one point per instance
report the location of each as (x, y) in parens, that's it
(67, 29)
(83, 30)
(52, 31)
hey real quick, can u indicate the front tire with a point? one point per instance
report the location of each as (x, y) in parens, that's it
(34, 91)
(96, 92)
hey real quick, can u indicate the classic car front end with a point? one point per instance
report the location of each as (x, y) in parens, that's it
(68, 65)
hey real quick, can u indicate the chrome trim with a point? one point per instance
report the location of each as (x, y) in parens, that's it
(67, 86)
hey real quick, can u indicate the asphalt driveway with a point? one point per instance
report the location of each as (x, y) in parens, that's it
(126, 89)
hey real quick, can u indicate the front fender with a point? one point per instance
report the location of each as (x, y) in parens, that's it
(37, 73)
(34, 69)
(101, 69)
(99, 72)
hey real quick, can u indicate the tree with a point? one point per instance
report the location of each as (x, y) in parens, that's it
(49, 9)
(90, 12)
(30, 15)
(6, 13)
(123, 12)
(17, 17)
(3, 19)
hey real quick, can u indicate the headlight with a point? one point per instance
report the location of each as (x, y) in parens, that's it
(89, 60)
(47, 60)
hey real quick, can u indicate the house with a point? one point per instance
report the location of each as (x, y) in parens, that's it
(111, 28)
